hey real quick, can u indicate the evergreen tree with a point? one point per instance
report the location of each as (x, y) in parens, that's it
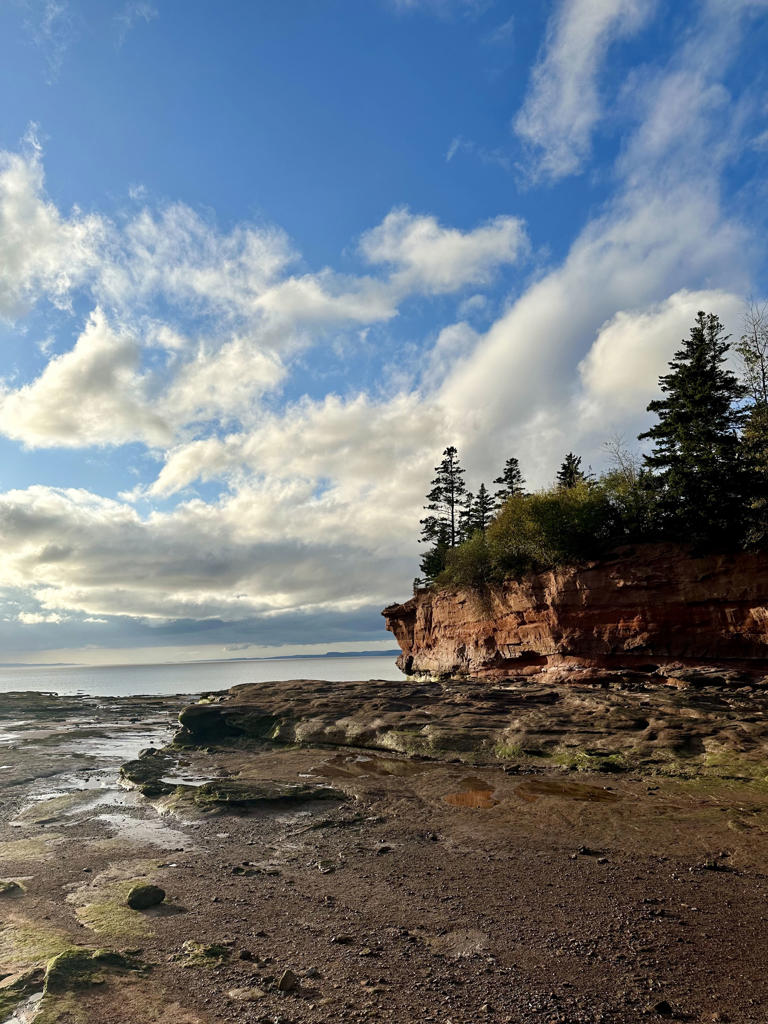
(444, 500)
(697, 456)
(570, 472)
(511, 481)
(433, 561)
(467, 517)
(483, 509)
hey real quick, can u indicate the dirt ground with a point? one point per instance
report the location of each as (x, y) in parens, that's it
(407, 890)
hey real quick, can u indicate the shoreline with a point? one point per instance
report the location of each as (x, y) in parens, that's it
(435, 886)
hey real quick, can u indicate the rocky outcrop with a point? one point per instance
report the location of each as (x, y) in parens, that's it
(654, 608)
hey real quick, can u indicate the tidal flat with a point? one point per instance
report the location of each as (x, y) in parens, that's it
(378, 851)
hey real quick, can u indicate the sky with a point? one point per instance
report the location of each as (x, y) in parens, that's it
(261, 262)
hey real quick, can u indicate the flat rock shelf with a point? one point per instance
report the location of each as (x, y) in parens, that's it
(371, 851)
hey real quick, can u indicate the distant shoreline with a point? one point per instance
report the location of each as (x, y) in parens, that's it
(202, 661)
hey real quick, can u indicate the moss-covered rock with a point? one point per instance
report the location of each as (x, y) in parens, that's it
(242, 794)
(199, 954)
(142, 897)
(11, 889)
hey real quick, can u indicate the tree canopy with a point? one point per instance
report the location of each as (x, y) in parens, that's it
(704, 480)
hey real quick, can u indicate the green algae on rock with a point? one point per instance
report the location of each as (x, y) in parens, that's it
(142, 897)
(12, 889)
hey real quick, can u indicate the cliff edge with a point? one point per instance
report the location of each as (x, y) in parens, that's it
(649, 608)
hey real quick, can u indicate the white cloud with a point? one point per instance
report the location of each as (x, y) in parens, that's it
(619, 375)
(43, 251)
(92, 395)
(563, 104)
(431, 258)
(36, 618)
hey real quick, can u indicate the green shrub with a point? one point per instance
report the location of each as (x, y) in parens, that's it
(534, 532)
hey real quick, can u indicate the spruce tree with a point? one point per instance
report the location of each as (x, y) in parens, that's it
(444, 500)
(467, 517)
(433, 561)
(570, 472)
(697, 456)
(511, 481)
(483, 509)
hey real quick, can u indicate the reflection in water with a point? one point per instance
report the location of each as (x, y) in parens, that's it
(474, 792)
(532, 789)
(355, 766)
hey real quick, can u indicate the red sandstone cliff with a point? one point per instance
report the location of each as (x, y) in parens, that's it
(649, 607)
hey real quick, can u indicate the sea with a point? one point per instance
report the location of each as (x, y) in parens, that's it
(190, 677)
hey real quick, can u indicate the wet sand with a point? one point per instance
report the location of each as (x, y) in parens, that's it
(389, 888)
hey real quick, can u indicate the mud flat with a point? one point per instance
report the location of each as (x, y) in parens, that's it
(386, 852)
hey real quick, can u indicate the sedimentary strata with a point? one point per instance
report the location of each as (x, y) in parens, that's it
(609, 727)
(654, 608)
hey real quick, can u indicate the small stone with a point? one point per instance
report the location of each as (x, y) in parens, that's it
(288, 982)
(602, 860)
(246, 954)
(246, 995)
(11, 889)
(142, 897)
(342, 940)
(663, 1008)
(312, 972)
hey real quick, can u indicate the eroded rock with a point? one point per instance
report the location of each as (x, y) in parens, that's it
(653, 608)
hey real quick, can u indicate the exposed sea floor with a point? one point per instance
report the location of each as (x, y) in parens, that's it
(323, 884)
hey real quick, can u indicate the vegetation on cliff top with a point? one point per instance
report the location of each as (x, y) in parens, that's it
(704, 481)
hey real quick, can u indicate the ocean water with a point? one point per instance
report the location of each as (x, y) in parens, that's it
(131, 680)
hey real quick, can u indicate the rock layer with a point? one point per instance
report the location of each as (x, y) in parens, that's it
(646, 609)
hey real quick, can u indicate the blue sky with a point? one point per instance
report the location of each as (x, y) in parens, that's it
(260, 262)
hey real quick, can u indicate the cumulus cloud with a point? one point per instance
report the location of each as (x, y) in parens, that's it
(563, 104)
(92, 395)
(235, 311)
(621, 370)
(431, 258)
(87, 555)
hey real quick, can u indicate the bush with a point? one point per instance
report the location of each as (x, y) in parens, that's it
(533, 532)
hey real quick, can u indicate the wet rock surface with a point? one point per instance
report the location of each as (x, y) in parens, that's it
(488, 883)
(654, 609)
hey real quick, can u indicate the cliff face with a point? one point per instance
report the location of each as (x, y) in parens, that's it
(653, 607)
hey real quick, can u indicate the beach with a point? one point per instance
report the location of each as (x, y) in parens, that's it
(328, 881)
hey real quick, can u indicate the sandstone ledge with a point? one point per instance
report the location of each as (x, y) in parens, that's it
(649, 609)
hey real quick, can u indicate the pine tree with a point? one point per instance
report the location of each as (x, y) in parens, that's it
(570, 472)
(444, 500)
(511, 480)
(697, 456)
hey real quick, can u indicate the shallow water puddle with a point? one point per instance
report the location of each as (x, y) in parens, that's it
(532, 789)
(355, 766)
(474, 792)
(27, 1012)
(145, 831)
